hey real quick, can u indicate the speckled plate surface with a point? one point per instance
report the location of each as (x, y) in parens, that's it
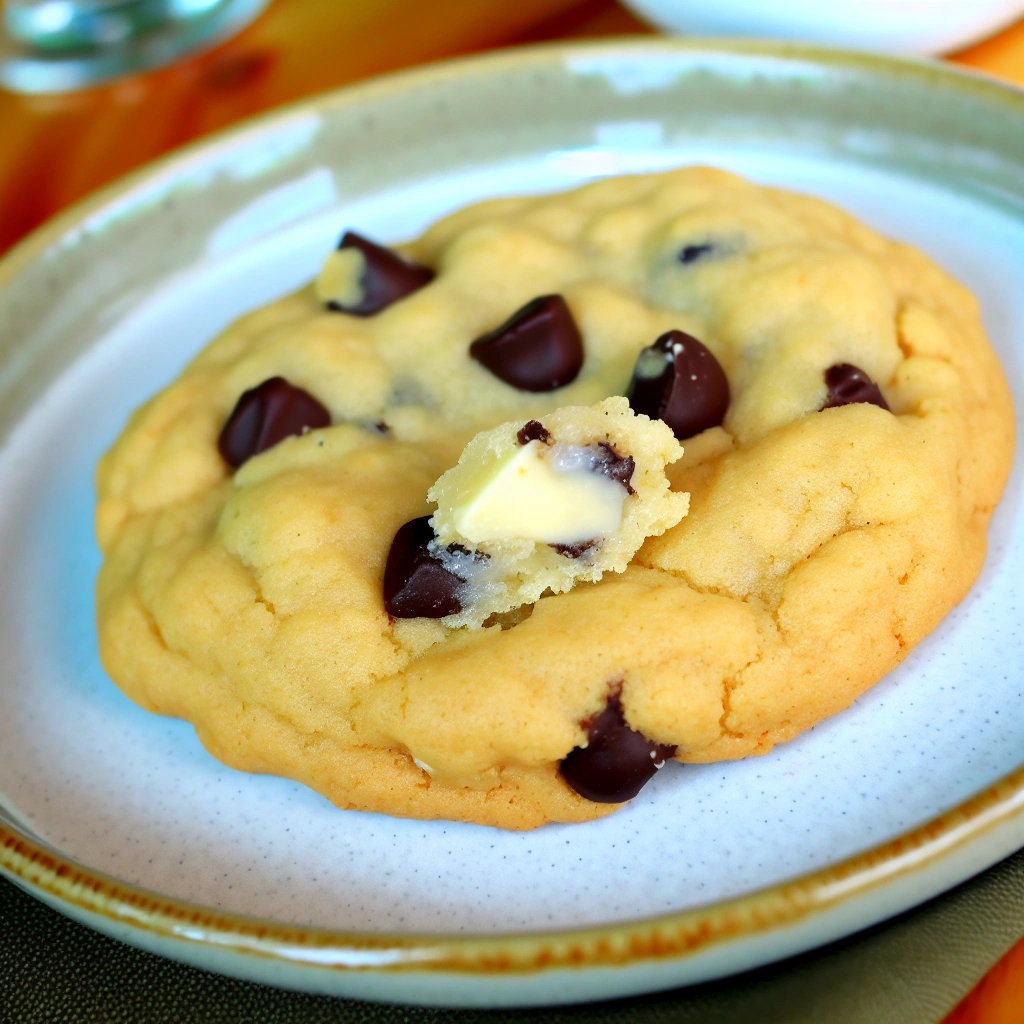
(121, 819)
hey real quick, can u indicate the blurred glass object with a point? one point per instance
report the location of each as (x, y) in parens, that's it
(60, 45)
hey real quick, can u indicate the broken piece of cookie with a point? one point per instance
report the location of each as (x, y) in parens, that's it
(534, 508)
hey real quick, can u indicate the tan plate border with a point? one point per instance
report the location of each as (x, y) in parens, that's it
(661, 938)
(64, 881)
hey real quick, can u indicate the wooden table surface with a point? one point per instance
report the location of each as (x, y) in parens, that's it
(57, 149)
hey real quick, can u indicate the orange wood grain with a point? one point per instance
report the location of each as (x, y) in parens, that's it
(1001, 56)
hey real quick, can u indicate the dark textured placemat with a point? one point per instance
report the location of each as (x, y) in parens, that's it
(912, 970)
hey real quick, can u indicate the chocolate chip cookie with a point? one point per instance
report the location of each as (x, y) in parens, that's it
(491, 525)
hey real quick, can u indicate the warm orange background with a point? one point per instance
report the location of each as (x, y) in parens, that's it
(57, 149)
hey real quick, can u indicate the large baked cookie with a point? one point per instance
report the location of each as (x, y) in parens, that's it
(396, 537)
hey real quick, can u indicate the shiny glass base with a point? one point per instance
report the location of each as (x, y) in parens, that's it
(56, 46)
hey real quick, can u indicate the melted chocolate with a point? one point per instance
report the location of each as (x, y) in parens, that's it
(265, 415)
(574, 550)
(415, 583)
(616, 762)
(533, 431)
(614, 466)
(538, 348)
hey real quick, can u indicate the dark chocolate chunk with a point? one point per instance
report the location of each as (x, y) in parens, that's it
(616, 762)
(538, 348)
(386, 276)
(848, 385)
(692, 253)
(415, 583)
(533, 431)
(679, 381)
(613, 465)
(574, 550)
(268, 414)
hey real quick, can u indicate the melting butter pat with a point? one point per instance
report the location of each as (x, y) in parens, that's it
(535, 495)
(340, 278)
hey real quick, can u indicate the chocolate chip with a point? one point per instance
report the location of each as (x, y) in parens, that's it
(679, 381)
(268, 414)
(613, 465)
(415, 583)
(538, 348)
(386, 276)
(533, 431)
(616, 762)
(692, 253)
(574, 550)
(849, 385)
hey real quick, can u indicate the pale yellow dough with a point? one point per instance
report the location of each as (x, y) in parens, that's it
(819, 547)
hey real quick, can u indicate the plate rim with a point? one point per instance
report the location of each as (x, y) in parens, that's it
(41, 869)
(667, 937)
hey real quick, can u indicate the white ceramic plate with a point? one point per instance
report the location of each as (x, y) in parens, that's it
(107, 304)
(889, 26)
